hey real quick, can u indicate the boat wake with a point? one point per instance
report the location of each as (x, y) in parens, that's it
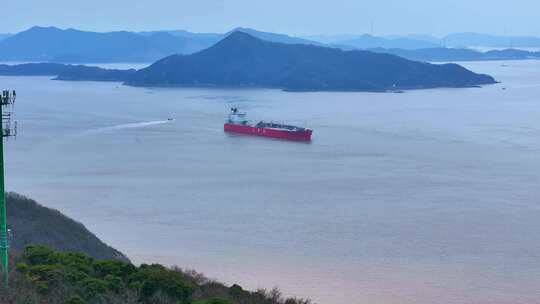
(134, 125)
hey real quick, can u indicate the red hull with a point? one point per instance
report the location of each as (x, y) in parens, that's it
(268, 132)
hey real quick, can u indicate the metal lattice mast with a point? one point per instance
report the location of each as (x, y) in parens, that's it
(7, 99)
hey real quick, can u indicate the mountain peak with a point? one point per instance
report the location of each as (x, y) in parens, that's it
(43, 28)
(238, 34)
(247, 30)
(242, 29)
(242, 60)
(238, 38)
(273, 37)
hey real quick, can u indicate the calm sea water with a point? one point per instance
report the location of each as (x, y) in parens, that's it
(429, 196)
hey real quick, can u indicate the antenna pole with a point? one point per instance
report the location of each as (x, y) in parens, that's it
(6, 99)
(4, 246)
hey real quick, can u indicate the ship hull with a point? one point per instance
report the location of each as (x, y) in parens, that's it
(268, 132)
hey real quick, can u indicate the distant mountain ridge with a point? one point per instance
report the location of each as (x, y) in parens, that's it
(201, 41)
(369, 41)
(412, 41)
(51, 44)
(193, 42)
(241, 60)
(451, 54)
(4, 36)
(273, 37)
(56, 45)
(461, 40)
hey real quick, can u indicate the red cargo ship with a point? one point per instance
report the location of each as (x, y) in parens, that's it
(238, 123)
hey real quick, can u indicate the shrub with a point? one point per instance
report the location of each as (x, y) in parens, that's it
(115, 268)
(78, 261)
(22, 267)
(75, 276)
(236, 290)
(214, 301)
(93, 287)
(158, 278)
(40, 255)
(42, 287)
(76, 300)
(113, 283)
(45, 272)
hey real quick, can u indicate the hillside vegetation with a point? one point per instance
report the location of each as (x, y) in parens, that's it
(241, 60)
(42, 275)
(33, 224)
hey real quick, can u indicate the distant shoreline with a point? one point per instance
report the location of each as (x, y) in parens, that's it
(63, 72)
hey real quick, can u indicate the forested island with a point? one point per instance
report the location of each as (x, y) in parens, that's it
(66, 72)
(241, 60)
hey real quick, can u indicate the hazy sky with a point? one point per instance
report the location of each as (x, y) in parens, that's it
(298, 17)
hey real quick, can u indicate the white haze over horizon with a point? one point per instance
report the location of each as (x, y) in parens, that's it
(300, 17)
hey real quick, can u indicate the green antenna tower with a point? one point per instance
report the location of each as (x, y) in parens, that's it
(7, 101)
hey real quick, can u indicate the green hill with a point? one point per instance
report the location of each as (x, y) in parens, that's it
(42, 275)
(81, 269)
(33, 224)
(241, 60)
